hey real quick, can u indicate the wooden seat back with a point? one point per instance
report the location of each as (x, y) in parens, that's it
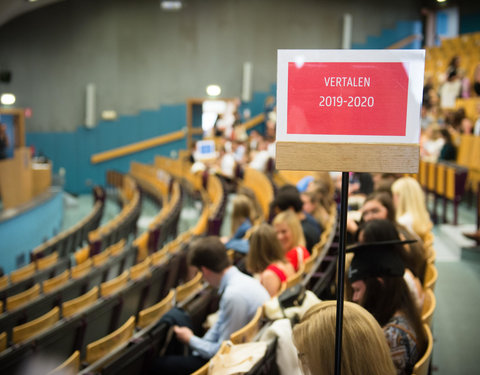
(153, 313)
(429, 304)
(141, 269)
(56, 282)
(182, 292)
(22, 298)
(3, 341)
(101, 258)
(423, 364)
(296, 277)
(248, 332)
(109, 287)
(36, 326)
(74, 306)
(159, 256)
(47, 261)
(3, 281)
(71, 366)
(431, 276)
(82, 269)
(105, 345)
(117, 248)
(309, 262)
(22, 273)
(82, 255)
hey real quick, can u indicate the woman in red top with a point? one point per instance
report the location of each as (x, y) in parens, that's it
(290, 234)
(266, 258)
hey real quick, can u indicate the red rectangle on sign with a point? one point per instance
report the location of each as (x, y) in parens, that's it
(347, 98)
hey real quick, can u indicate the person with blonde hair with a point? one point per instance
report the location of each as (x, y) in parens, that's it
(266, 259)
(364, 348)
(409, 201)
(290, 235)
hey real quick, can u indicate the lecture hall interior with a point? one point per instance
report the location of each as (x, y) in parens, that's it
(131, 129)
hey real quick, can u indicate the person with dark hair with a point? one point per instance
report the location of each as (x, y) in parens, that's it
(448, 151)
(289, 199)
(376, 276)
(241, 295)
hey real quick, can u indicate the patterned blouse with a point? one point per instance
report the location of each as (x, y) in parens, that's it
(401, 339)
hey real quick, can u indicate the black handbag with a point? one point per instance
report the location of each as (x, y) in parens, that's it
(292, 297)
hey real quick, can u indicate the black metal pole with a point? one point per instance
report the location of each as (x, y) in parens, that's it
(341, 272)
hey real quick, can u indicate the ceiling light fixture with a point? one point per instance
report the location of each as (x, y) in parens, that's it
(213, 90)
(7, 99)
(171, 5)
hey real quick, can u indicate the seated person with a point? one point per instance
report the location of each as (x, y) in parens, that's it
(288, 198)
(364, 349)
(376, 276)
(290, 235)
(241, 223)
(241, 295)
(266, 258)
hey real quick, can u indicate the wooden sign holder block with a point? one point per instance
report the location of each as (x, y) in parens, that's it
(349, 157)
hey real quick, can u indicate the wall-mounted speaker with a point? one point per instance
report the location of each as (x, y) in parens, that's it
(5, 76)
(90, 106)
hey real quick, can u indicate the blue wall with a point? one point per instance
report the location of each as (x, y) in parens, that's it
(388, 37)
(470, 23)
(73, 151)
(22, 233)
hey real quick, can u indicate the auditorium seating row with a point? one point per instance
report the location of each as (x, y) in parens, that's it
(126, 221)
(448, 181)
(167, 191)
(74, 237)
(134, 288)
(209, 186)
(467, 46)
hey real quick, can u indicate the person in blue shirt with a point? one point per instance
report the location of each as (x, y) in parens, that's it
(241, 295)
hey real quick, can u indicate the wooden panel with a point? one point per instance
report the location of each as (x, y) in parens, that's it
(140, 270)
(246, 333)
(3, 281)
(82, 269)
(69, 367)
(348, 157)
(440, 185)
(78, 304)
(22, 273)
(3, 341)
(21, 299)
(465, 150)
(136, 147)
(189, 288)
(16, 179)
(56, 282)
(155, 312)
(101, 258)
(47, 261)
(109, 287)
(27, 330)
(102, 347)
(41, 177)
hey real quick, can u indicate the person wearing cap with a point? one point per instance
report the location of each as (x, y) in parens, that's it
(376, 275)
